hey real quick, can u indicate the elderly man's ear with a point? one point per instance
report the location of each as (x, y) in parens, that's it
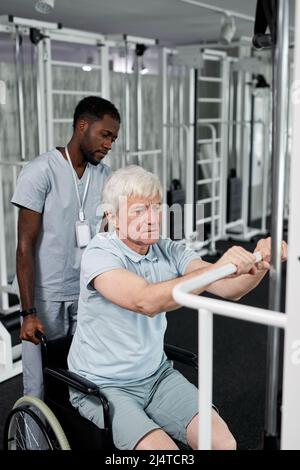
(107, 220)
(104, 224)
(111, 219)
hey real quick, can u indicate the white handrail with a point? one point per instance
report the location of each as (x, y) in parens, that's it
(181, 293)
(206, 308)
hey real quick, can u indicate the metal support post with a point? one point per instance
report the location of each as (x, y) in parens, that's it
(164, 130)
(205, 339)
(278, 155)
(189, 183)
(19, 75)
(290, 435)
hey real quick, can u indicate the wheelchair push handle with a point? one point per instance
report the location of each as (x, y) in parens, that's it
(40, 336)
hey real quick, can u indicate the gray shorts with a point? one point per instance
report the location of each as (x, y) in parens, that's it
(166, 400)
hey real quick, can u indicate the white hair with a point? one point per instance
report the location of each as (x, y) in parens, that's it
(130, 181)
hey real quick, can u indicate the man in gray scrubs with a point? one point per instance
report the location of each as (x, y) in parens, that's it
(127, 278)
(58, 194)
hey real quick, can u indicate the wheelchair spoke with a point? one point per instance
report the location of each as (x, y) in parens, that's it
(31, 425)
(19, 433)
(28, 433)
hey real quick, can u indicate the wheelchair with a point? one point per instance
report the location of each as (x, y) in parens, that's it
(57, 423)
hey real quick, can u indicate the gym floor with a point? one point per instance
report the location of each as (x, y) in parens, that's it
(239, 365)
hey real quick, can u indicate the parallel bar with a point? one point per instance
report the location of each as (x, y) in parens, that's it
(221, 307)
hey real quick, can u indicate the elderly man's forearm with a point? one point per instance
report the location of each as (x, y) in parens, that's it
(158, 298)
(236, 288)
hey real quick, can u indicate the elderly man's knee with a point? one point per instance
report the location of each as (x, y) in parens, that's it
(225, 441)
(222, 439)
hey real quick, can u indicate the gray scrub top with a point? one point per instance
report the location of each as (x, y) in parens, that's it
(46, 185)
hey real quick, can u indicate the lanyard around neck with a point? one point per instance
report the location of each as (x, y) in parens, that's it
(75, 179)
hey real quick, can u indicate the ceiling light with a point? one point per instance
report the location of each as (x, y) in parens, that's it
(88, 66)
(228, 29)
(44, 6)
(144, 69)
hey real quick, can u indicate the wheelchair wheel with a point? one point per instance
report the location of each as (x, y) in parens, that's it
(31, 425)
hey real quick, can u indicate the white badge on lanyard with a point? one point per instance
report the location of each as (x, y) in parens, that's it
(82, 226)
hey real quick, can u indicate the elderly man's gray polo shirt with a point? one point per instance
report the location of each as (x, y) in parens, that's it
(113, 345)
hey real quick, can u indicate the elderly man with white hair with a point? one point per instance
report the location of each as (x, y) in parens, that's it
(127, 278)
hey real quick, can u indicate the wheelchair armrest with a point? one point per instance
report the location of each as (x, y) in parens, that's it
(82, 385)
(181, 355)
(73, 380)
